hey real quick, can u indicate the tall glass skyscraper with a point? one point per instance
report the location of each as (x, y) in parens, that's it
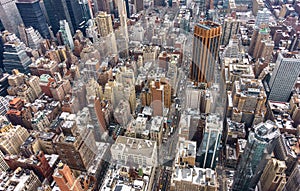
(32, 15)
(253, 160)
(284, 77)
(57, 10)
(209, 148)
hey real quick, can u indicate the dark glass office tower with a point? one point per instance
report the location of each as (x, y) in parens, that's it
(57, 10)
(32, 15)
(79, 13)
(15, 57)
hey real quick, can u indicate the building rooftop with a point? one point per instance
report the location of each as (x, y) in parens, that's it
(198, 176)
(266, 131)
(134, 146)
(124, 178)
(280, 112)
(16, 180)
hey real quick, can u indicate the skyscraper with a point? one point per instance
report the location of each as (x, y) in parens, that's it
(32, 15)
(123, 17)
(284, 76)
(207, 36)
(57, 10)
(104, 24)
(15, 57)
(31, 37)
(79, 13)
(253, 160)
(10, 17)
(209, 147)
(65, 34)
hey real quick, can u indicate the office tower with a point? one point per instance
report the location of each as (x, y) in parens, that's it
(79, 13)
(263, 17)
(229, 29)
(158, 3)
(65, 179)
(209, 147)
(57, 10)
(32, 15)
(273, 176)
(253, 160)
(12, 138)
(260, 35)
(31, 37)
(104, 23)
(123, 18)
(284, 77)
(10, 17)
(20, 179)
(76, 151)
(139, 5)
(205, 51)
(65, 35)
(15, 57)
(293, 182)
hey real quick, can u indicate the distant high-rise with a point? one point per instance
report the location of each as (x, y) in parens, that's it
(31, 37)
(253, 160)
(9, 15)
(15, 57)
(123, 17)
(65, 34)
(284, 77)
(32, 15)
(230, 27)
(205, 51)
(79, 13)
(57, 10)
(104, 24)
